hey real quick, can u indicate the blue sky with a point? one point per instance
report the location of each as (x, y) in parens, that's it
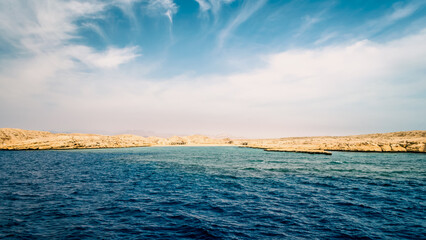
(263, 68)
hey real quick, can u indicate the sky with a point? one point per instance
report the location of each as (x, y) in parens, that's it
(254, 68)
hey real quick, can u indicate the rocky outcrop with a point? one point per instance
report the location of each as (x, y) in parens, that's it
(18, 139)
(13, 135)
(412, 141)
(194, 140)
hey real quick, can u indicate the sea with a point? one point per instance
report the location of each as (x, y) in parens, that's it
(211, 193)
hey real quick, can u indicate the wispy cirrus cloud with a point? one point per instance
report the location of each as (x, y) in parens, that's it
(399, 11)
(165, 7)
(42, 25)
(212, 5)
(308, 21)
(402, 11)
(325, 37)
(111, 58)
(204, 5)
(246, 11)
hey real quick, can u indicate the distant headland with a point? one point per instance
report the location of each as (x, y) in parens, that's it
(409, 141)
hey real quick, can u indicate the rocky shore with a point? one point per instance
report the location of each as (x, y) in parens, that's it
(18, 139)
(410, 141)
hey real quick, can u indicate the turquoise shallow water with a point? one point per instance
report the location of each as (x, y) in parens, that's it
(211, 193)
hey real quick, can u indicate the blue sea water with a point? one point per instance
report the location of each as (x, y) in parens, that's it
(211, 193)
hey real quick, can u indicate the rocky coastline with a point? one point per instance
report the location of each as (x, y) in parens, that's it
(409, 141)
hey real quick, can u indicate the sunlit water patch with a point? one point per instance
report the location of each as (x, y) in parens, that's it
(211, 193)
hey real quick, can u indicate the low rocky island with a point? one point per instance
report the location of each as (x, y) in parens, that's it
(409, 141)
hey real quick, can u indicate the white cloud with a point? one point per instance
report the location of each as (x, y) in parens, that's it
(45, 60)
(42, 25)
(213, 5)
(308, 22)
(347, 73)
(126, 7)
(111, 58)
(204, 5)
(95, 28)
(127, 2)
(325, 38)
(401, 12)
(345, 89)
(166, 7)
(41, 31)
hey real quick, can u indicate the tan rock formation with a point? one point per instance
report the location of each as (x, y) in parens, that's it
(18, 139)
(412, 141)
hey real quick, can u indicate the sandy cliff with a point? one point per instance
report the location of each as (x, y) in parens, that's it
(411, 141)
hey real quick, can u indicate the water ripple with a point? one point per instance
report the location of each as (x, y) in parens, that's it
(211, 193)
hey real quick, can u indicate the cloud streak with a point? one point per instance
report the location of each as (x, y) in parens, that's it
(399, 12)
(42, 25)
(165, 7)
(212, 5)
(111, 58)
(247, 10)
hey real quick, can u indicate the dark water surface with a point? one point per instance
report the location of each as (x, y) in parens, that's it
(211, 193)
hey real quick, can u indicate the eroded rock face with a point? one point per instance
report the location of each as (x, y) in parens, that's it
(18, 139)
(412, 141)
(8, 135)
